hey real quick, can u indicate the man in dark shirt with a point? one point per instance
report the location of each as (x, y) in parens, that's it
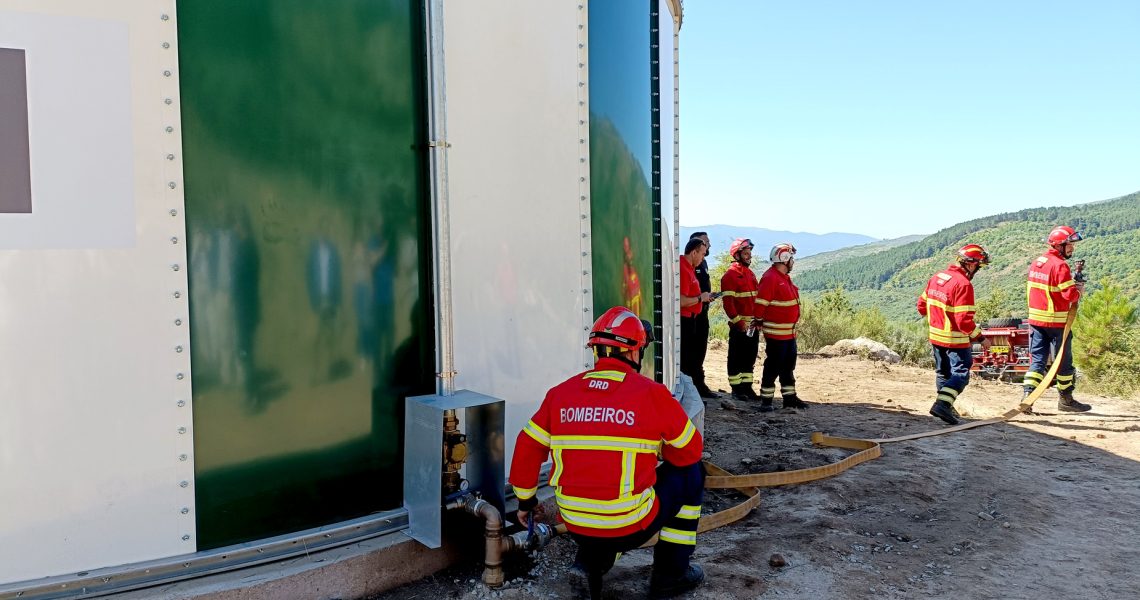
(701, 332)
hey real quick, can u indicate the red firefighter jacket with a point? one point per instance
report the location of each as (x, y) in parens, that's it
(738, 288)
(1050, 290)
(605, 428)
(778, 305)
(948, 304)
(690, 287)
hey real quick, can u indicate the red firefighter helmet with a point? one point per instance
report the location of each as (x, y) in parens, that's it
(621, 328)
(739, 244)
(973, 253)
(1063, 234)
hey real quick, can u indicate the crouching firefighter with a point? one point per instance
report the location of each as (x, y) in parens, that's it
(604, 428)
(948, 305)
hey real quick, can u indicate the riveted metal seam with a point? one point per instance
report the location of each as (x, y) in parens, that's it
(171, 210)
(586, 244)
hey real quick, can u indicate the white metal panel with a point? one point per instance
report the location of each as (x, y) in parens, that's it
(518, 165)
(671, 247)
(95, 441)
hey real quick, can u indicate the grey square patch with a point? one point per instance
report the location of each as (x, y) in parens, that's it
(15, 163)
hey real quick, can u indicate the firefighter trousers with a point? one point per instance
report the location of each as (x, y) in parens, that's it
(700, 349)
(680, 491)
(742, 351)
(690, 358)
(779, 363)
(951, 371)
(1044, 343)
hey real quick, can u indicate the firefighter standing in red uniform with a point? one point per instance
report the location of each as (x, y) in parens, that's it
(738, 294)
(692, 303)
(948, 305)
(778, 311)
(604, 428)
(1052, 293)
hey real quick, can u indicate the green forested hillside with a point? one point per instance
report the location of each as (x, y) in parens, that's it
(892, 279)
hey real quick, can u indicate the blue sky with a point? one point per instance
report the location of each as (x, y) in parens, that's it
(890, 118)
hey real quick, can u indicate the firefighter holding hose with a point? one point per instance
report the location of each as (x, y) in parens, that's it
(1052, 292)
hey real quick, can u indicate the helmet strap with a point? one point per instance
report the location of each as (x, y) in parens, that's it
(619, 354)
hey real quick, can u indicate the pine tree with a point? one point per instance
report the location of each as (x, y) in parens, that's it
(1105, 340)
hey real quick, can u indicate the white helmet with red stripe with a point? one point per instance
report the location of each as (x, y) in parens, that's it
(782, 253)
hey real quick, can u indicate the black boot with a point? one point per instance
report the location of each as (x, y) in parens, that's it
(945, 411)
(739, 393)
(766, 405)
(794, 401)
(1025, 395)
(667, 585)
(1067, 403)
(705, 392)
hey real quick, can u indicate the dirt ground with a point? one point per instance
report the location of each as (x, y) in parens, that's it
(1046, 506)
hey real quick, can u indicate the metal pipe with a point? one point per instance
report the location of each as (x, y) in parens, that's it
(440, 202)
(493, 540)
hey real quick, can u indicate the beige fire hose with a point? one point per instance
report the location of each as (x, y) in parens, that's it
(868, 449)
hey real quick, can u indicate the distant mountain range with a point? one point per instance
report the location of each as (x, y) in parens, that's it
(821, 260)
(893, 278)
(806, 244)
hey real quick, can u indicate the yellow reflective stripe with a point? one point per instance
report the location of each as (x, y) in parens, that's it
(773, 325)
(678, 536)
(1048, 316)
(611, 375)
(941, 335)
(976, 332)
(1066, 285)
(738, 318)
(539, 434)
(953, 393)
(556, 474)
(746, 378)
(612, 507)
(763, 302)
(603, 442)
(595, 521)
(689, 511)
(784, 302)
(735, 379)
(625, 488)
(686, 435)
(726, 294)
(525, 493)
(738, 294)
(951, 309)
(1042, 286)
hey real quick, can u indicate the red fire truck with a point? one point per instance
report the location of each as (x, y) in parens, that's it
(1005, 354)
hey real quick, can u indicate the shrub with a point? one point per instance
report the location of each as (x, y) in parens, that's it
(1106, 342)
